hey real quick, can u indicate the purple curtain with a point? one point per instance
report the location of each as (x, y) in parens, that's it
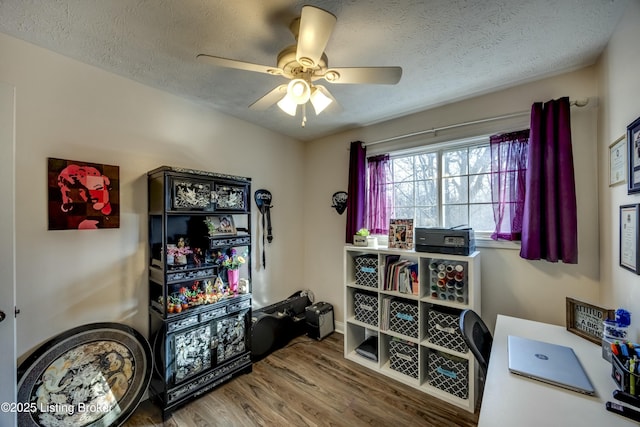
(550, 226)
(378, 197)
(356, 190)
(508, 173)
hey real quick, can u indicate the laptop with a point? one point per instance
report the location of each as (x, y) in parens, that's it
(550, 363)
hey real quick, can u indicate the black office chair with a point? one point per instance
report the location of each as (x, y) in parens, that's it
(477, 337)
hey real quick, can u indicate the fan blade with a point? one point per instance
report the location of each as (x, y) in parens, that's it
(270, 98)
(239, 65)
(316, 26)
(366, 75)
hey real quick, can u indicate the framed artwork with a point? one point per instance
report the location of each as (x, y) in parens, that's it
(629, 225)
(585, 320)
(231, 197)
(618, 161)
(94, 374)
(220, 225)
(401, 233)
(82, 195)
(633, 143)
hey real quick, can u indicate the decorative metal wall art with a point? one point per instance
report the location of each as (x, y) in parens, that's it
(263, 201)
(339, 200)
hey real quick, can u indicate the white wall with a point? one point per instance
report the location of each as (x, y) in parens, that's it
(510, 285)
(620, 93)
(70, 110)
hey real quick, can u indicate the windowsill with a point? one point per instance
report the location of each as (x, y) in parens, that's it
(481, 242)
(484, 242)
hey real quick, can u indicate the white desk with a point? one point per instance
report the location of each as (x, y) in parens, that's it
(512, 400)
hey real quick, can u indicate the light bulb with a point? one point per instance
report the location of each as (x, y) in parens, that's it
(298, 91)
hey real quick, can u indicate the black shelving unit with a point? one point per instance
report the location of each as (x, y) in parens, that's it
(199, 323)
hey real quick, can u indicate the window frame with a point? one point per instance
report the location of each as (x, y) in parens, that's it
(483, 238)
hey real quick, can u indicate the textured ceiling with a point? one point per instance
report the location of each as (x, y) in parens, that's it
(448, 49)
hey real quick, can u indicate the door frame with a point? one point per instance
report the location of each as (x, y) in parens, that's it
(8, 366)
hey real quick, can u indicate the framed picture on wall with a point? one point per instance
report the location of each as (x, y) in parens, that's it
(633, 150)
(618, 161)
(629, 237)
(82, 195)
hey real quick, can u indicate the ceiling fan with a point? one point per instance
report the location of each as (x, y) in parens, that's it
(304, 64)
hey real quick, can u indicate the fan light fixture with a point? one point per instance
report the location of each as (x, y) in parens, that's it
(299, 92)
(305, 62)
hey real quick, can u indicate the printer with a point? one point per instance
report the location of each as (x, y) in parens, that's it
(451, 241)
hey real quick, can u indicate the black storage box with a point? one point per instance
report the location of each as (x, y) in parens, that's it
(366, 270)
(403, 357)
(443, 328)
(448, 373)
(403, 317)
(366, 307)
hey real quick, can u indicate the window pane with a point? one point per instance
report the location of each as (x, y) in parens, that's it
(426, 166)
(479, 159)
(455, 190)
(455, 215)
(401, 213)
(403, 169)
(481, 217)
(446, 187)
(426, 193)
(454, 162)
(403, 194)
(427, 217)
(480, 189)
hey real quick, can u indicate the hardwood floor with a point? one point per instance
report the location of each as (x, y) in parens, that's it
(309, 383)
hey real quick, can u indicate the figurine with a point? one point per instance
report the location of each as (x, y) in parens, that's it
(243, 286)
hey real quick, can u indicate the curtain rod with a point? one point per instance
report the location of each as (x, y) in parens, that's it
(577, 103)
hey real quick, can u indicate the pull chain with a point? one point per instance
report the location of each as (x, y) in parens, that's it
(304, 114)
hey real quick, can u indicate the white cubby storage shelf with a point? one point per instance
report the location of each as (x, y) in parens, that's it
(413, 318)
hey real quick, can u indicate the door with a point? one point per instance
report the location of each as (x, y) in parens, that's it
(8, 366)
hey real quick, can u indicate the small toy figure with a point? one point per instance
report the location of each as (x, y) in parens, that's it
(197, 256)
(218, 285)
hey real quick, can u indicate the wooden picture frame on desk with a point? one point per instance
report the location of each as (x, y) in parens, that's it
(585, 320)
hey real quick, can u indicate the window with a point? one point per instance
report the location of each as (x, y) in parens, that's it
(444, 186)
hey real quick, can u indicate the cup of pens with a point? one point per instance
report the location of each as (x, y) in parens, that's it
(626, 366)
